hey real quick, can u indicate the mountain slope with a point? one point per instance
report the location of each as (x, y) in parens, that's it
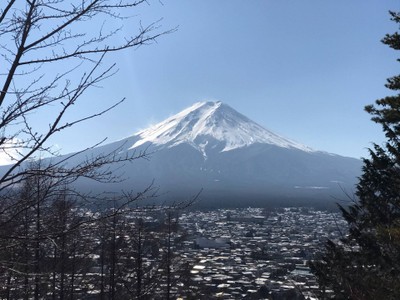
(211, 122)
(234, 160)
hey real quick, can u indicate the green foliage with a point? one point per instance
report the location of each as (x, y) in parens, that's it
(366, 263)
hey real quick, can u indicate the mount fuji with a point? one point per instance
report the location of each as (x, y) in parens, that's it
(215, 123)
(233, 160)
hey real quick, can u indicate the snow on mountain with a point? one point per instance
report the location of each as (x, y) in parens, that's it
(212, 121)
(231, 159)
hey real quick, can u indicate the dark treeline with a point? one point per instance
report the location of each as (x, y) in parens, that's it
(365, 264)
(52, 247)
(53, 244)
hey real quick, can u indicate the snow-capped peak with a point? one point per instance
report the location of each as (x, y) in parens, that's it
(212, 121)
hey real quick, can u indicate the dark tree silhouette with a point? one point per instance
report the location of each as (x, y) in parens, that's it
(366, 263)
(49, 60)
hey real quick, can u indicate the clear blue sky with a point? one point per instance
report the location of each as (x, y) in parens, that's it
(303, 69)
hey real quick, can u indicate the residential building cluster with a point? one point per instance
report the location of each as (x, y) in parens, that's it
(256, 253)
(161, 253)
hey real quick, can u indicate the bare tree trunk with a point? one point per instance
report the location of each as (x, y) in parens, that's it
(139, 260)
(37, 245)
(62, 268)
(113, 256)
(8, 291)
(73, 269)
(54, 276)
(26, 259)
(102, 263)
